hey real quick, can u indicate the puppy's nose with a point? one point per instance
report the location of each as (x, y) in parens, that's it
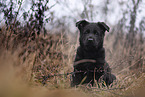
(90, 39)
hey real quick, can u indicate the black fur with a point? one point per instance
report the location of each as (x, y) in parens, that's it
(91, 47)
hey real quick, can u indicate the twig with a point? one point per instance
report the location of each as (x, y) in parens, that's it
(17, 13)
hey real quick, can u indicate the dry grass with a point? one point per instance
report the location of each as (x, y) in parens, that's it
(24, 65)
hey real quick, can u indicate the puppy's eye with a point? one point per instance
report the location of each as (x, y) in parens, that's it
(95, 32)
(86, 32)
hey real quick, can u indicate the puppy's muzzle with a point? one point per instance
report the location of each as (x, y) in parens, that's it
(90, 39)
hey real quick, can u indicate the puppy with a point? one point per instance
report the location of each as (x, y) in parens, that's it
(90, 64)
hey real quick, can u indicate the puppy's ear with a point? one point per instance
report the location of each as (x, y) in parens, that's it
(103, 26)
(81, 24)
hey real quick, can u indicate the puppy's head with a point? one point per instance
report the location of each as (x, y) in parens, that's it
(91, 34)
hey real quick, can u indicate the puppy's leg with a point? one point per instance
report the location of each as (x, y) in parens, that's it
(89, 78)
(108, 77)
(76, 79)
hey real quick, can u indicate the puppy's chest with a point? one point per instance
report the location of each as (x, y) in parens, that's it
(92, 66)
(99, 58)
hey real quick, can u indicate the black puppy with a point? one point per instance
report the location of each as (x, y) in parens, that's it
(90, 61)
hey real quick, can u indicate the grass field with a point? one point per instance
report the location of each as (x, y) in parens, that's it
(25, 62)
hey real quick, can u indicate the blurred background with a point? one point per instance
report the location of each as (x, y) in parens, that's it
(38, 42)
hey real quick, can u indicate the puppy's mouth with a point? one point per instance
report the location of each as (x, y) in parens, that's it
(91, 45)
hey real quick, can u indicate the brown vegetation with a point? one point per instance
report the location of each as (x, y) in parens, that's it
(23, 66)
